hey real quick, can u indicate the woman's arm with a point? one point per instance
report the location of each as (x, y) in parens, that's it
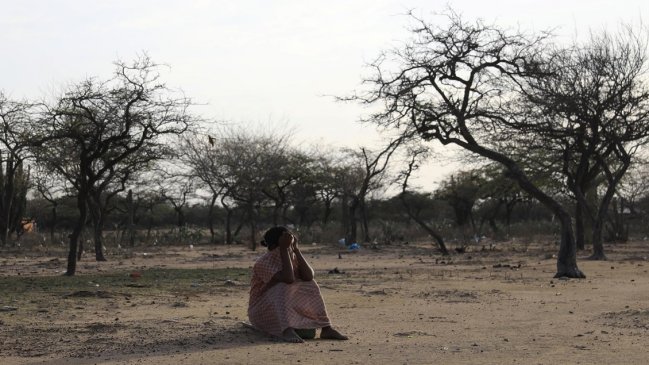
(285, 275)
(304, 269)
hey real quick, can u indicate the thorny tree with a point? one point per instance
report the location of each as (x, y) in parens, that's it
(248, 171)
(461, 191)
(363, 173)
(175, 187)
(51, 188)
(98, 132)
(200, 154)
(14, 180)
(409, 199)
(249, 165)
(592, 113)
(452, 84)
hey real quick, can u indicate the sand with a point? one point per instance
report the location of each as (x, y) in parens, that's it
(399, 304)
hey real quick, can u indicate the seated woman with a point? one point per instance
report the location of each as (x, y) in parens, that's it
(283, 295)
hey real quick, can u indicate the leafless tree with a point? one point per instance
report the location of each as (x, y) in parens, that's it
(201, 154)
(16, 122)
(304, 195)
(248, 170)
(176, 187)
(51, 189)
(406, 197)
(592, 113)
(633, 187)
(452, 84)
(96, 130)
(326, 173)
(363, 173)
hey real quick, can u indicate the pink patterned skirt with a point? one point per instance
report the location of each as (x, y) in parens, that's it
(298, 305)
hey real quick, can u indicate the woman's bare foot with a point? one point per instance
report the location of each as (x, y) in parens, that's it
(329, 333)
(289, 335)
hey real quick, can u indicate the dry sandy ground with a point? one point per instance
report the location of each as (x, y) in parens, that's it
(399, 305)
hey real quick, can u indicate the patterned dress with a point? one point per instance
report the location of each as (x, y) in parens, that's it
(298, 305)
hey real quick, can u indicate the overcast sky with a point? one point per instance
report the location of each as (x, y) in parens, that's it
(273, 61)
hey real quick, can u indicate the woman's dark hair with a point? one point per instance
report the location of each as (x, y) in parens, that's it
(271, 237)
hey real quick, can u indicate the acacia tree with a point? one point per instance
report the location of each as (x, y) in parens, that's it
(363, 172)
(211, 160)
(247, 170)
(480, 193)
(410, 201)
(96, 128)
(633, 187)
(112, 185)
(200, 154)
(51, 190)
(14, 180)
(176, 187)
(497, 192)
(326, 172)
(451, 84)
(285, 167)
(593, 111)
(461, 191)
(250, 163)
(304, 195)
(348, 180)
(141, 202)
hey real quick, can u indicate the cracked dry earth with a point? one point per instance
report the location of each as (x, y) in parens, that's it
(401, 304)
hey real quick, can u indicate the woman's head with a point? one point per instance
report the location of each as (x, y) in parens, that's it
(271, 237)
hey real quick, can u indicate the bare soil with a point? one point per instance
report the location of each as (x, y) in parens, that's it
(400, 304)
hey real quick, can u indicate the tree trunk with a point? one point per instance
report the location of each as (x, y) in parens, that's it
(598, 224)
(253, 230)
(286, 220)
(366, 226)
(97, 217)
(598, 246)
(494, 227)
(476, 231)
(210, 217)
(131, 218)
(7, 186)
(579, 226)
(53, 223)
(327, 212)
(345, 219)
(149, 227)
(228, 220)
(353, 224)
(81, 246)
(76, 233)
(509, 210)
(436, 236)
(613, 180)
(180, 215)
(98, 238)
(228, 227)
(238, 229)
(567, 257)
(276, 213)
(618, 229)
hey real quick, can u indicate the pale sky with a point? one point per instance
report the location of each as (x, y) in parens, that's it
(273, 61)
